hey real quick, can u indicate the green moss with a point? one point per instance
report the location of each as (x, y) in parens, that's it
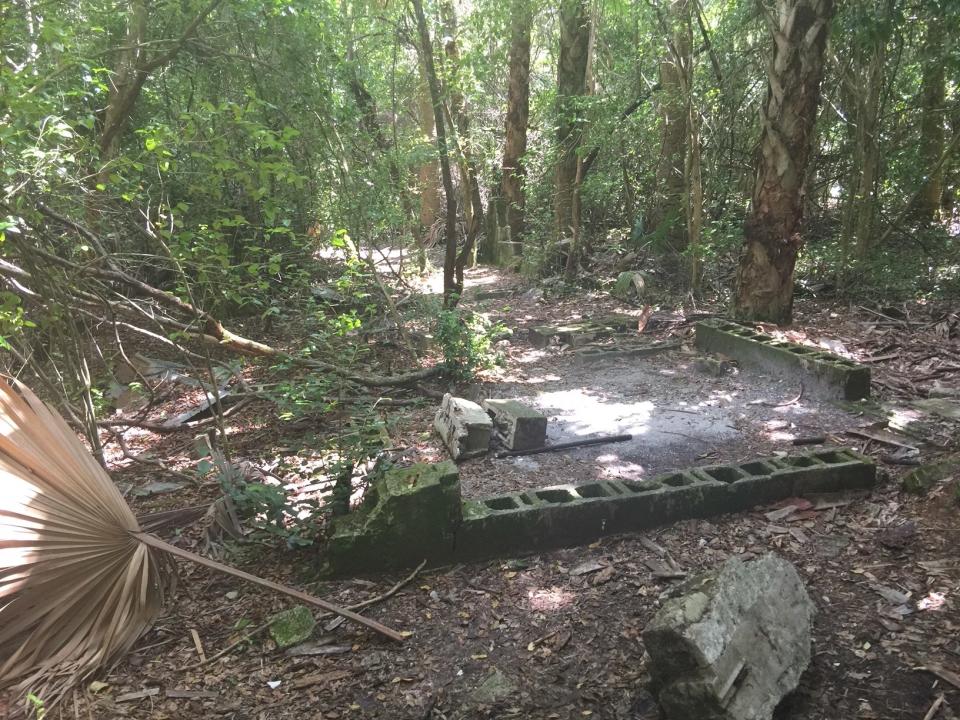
(292, 627)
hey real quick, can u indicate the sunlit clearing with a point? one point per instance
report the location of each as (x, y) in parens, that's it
(933, 601)
(543, 599)
(592, 415)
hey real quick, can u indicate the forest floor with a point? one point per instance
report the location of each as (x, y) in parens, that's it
(539, 637)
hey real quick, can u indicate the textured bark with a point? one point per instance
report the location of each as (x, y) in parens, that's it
(667, 214)
(450, 291)
(460, 125)
(429, 173)
(773, 229)
(571, 84)
(932, 99)
(518, 115)
(868, 152)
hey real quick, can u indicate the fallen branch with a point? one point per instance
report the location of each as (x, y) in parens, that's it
(260, 629)
(155, 542)
(602, 440)
(941, 672)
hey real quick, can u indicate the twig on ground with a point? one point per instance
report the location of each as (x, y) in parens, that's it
(934, 708)
(260, 629)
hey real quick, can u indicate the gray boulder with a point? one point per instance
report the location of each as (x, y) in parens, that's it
(733, 643)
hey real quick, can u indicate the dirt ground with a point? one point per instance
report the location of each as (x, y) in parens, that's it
(537, 637)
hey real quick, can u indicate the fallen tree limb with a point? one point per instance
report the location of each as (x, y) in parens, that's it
(155, 542)
(202, 326)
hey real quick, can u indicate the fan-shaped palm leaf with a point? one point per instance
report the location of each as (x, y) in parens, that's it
(76, 587)
(79, 580)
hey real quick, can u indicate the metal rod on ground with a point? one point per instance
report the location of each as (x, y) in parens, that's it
(566, 445)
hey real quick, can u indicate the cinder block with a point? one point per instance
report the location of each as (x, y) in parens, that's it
(823, 374)
(517, 426)
(463, 426)
(417, 512)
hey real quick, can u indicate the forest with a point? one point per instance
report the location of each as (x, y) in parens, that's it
(269, 267)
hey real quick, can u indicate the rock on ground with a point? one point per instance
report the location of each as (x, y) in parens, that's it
(733, 643)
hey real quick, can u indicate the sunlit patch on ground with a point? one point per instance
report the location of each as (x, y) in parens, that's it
(549, 599)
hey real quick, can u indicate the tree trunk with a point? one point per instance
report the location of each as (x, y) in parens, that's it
(429, 172)
(932, 99)
(518, 115)
(132, 71)
(460, 126)
(450, 290)
(571, 84)
(869, 154)
(667, 215)
(773, 229)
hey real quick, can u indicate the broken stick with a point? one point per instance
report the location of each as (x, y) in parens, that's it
(602, 440)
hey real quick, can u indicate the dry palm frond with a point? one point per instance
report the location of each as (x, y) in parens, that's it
(79, 580)
(76, 587)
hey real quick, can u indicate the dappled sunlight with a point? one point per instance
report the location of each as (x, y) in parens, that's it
(549, 599)
(594, 415)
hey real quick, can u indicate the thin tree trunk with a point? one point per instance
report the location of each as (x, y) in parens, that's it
(571, 85)
(460, 126)
(451, 291)
(429, 173)
(773, 229)
(667, 215)
(518, 115)
(932, 99)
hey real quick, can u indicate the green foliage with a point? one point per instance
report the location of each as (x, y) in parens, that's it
(466, 339)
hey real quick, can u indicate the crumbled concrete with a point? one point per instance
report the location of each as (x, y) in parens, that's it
(733, 643)
(517, 426)
(408, 515)
(496, 688)
(921, 480)
(293, 626)
(463, 426)
(632, 285)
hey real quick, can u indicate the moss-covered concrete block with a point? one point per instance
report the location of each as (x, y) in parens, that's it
(416, 513)
(292, 627)
(518, 426)
(409, 515)
(464, 427)
(921, 480)
(823, 374)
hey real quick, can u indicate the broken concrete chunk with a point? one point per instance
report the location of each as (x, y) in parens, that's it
(631, 285)
(924, 478)
(496, 688)
(733, 643)
(463, 426)
(292, 626)
(518, 426)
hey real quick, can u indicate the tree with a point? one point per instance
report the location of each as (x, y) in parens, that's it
(518, 114)
(425, 47)
(932, 99)
(667, 215)
(773, 231)
(571, 86)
